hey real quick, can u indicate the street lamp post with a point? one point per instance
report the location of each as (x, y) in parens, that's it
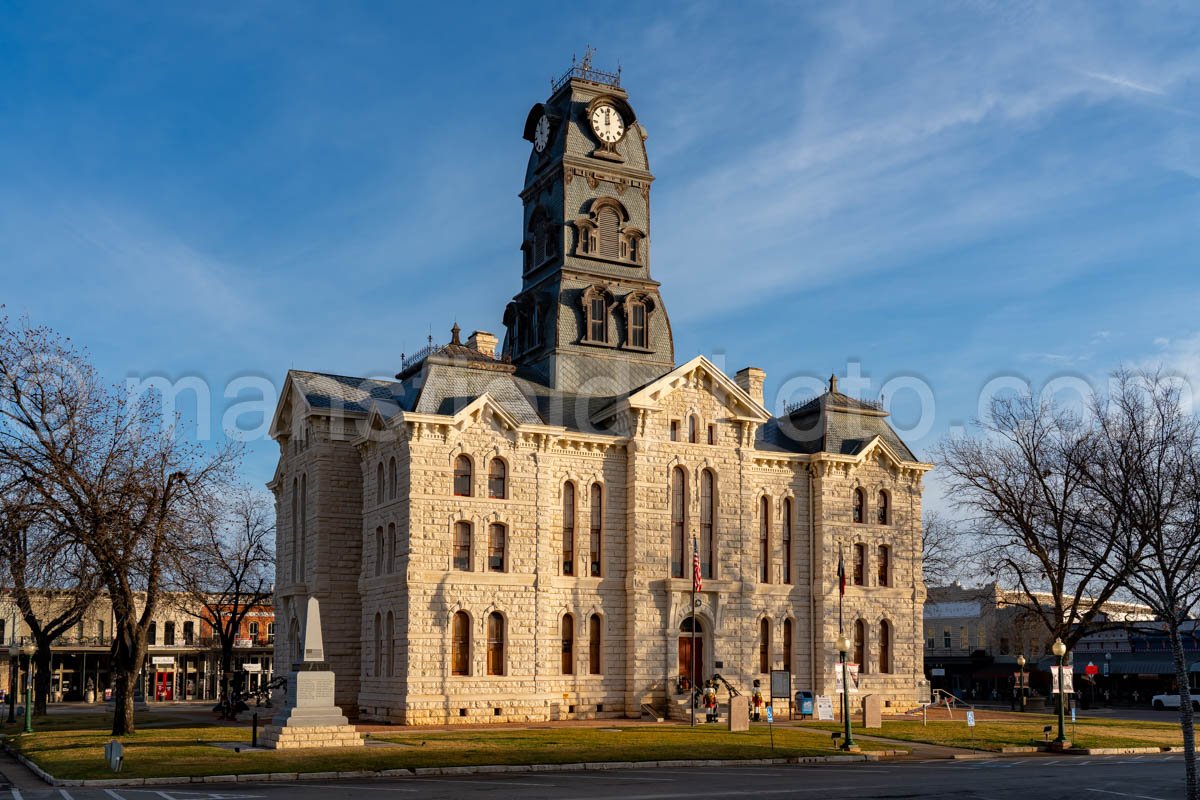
(1108, 679)
(844, 647)
(27, 650)
(1060, 650)
(1021, 687)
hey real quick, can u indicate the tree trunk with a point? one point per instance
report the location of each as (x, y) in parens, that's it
(1185, 711)
(43, 660)
(126, 665)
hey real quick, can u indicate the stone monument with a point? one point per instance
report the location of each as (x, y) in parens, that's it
(739, 713)
(872, 711)
(309, 717)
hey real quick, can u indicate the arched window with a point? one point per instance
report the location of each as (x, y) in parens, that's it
(881, 508)
(884, 565)
(568, 645)
(497, 478)
(495, 644)
(389, 633)
(787, 645)
(859, 506)
(608, 223)
(462, 476)
(860, 643)
(378, 551)
(392, 479)
(460, 644)
(764, 645)
(787, 540)
(568, 529)
(378, 645)
(693, 429)
(497, 542)
(596, 529)
(638, 336)
(390, 556)
(597, 316)
(712, 434)
(860, 565)
(885, 647)
(679, 502)
(708, 514)
(764, 540)
(379, 485)
(303, 524)
(462, 546)
(295, 529)
(594, 652)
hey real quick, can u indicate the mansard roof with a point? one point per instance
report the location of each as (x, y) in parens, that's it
(832, 423)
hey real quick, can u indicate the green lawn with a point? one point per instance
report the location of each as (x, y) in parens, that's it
(168, 751)
(993, 734)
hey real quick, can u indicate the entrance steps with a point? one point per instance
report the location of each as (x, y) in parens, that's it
(649, 712)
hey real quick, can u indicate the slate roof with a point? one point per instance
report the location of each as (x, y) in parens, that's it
(830, 423)
(324, 390)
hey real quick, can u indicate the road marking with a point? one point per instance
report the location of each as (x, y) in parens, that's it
(1125, 794)
(66, 795)
(744, 792)
(113, 794)
(465, 780)
(601, 775)
(355, 787)
(15, 793)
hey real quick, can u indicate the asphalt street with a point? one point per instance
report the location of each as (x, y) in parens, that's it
(1045, 778)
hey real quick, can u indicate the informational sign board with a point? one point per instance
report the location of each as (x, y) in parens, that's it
(970, 719)
(1019, 679)
(252, 667)
(781, 684)
(938, 672)
(825, 708)
(1067, 685)
(837, 678)
(163, 661)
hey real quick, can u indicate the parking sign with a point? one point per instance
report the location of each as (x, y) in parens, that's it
(970, 719)
(770, 715)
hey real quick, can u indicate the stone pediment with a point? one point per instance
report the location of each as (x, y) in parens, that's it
(738, 403)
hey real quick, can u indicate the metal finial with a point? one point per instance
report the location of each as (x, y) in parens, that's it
(588, 52)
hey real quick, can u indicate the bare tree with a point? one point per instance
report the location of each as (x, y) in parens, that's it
(1023, 481)
(1146, 459)
(231, 570)
(115, 475)
(941, 543)
(53, 582)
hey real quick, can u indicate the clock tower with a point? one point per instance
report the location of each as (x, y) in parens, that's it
(589, 319)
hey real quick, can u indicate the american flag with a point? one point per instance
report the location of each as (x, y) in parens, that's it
(696, 583)
(841, 575)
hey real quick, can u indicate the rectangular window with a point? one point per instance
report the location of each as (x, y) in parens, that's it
(637, 325)
(712, 434)
(884, 565)
(462, 546)
(568, 531)
(597, 529)
(964, 642)
(169, 634)
(253, 630)
(2, 631)
(594, 645)
(496, 544)
(189, 633)
(787, 540)
(100, 630)
(860, 565)
(946, 638)
(764, 540)
(152, 633)
(596, 320)
(674, 430)
(1003, 646)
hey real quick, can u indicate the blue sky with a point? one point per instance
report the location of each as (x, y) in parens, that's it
(936, 195)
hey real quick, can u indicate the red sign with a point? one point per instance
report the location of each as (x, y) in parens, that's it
(1091, 669)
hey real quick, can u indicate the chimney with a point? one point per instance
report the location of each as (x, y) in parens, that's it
(483, 342)
(750, 380)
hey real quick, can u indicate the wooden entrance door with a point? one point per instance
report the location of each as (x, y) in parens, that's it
(686, 661)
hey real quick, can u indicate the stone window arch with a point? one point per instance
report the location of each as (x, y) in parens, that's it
(786, 529)
(764, 539)
(379, 485)
(708, 521)
(787, 644)
(378, 645)
(392, 478)
(595, 653)
(859, 575)
(860, 645)
(497, 547)
(603, 232)
(378, 551)
(883, 565)
(462, 546)
(638, 308)
(885, 646)
(568, 529)
(679, 506)
(390, 557)
(693, 429)
(882, 508)
(498, 479)
(633, 245)
(596, 530)
(597, 301)
(764, 645)
(859, 506)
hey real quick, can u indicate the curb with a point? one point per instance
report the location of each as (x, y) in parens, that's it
(418, 772)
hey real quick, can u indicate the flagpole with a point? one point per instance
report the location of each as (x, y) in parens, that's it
(695, 555)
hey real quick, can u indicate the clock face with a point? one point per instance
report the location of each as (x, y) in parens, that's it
(541, 134)
(607, 123)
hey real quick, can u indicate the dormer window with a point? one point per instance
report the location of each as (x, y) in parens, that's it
(540, 245)
(637, 321)
(595, 310)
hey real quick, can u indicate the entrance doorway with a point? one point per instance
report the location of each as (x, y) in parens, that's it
(691, 659)
(164, 686)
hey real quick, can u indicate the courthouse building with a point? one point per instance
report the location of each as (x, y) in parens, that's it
(505, 531)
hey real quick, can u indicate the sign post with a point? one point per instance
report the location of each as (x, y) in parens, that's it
(771, 726)
(971, 728)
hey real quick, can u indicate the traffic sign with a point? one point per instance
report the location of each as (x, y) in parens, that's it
(970, 719)
(1072, 715)
(770, 715)
(1091, 669)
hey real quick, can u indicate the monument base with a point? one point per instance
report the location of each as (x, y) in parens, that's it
(294, 737)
